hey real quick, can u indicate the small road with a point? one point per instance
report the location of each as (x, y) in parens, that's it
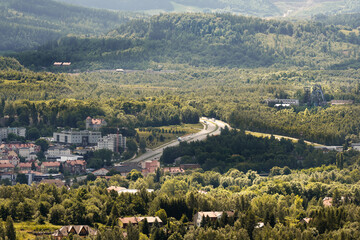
(211, 127)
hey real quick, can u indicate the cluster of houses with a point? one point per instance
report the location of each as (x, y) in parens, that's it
(57, 158)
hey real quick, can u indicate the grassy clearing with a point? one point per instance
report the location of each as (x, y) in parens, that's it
(24, 230)
(347, 32)
(157, 136)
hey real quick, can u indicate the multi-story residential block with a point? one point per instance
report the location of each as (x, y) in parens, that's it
(19, 131)
(111, 141)
(77, 137)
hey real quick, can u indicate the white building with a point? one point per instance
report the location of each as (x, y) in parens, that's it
(19, 131)
(356, 146)
(110, 142)
(77, 137)
(58, 151)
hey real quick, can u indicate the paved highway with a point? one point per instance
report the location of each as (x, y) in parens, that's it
(211, 127)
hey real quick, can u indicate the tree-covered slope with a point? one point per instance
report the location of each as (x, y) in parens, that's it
(262, 8)
(25, 24)
(248, 7)
(203, 40)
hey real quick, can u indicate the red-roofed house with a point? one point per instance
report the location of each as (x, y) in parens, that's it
(95, 124)
(75, 166)
(26, 166)
(50, 166)
(6, 168)
(124, 222)
(149, 167)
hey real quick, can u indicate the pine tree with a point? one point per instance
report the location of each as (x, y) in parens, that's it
(10, 230)
(2, 231)
(145, 227)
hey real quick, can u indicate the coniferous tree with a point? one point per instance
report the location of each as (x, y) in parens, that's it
(10, 229)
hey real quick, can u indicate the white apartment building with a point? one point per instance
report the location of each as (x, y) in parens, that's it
(109, 142)
(19, 131)
(58, 151)
(77, 137)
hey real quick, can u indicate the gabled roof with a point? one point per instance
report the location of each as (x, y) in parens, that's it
(26, 165)
(76, 162)
(56, 182)
(7, 165)
(51, 164)
(82, 230)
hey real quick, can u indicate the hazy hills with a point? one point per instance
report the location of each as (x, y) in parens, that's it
(204, 40)
(262, 8)
(25, 24)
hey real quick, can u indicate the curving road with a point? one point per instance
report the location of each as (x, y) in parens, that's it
(211, 127)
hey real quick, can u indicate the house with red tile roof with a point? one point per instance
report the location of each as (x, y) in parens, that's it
(124, 222)
(96, 124)
(75, 166)
(26, 166)
(7, 168)
(50, 166)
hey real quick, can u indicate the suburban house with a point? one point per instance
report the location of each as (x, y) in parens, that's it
(26, 166)
(173, 170)
(100, 172)
(6, 168)
(149, 167)
(124, 222)
(305, 220)
(96, 124)
(356, 146)
(213, 216)
(50, 166)
(125, 169)
(76, 166)
(56, 182)
(327, 201)
(342, 102)
(81, 230)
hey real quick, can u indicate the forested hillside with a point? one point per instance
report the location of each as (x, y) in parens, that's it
(25, 24)
(252, 7)
(155, 98)
(203, 40)
(262, 8)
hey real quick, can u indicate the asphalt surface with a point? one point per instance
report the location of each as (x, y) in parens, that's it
(211, 127)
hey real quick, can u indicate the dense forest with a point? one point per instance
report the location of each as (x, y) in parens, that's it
(27, 24)
(234, 149)
(203, 40)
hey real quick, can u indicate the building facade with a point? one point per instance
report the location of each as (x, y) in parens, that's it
(77, 137)
(19, 131)
(110, 142)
